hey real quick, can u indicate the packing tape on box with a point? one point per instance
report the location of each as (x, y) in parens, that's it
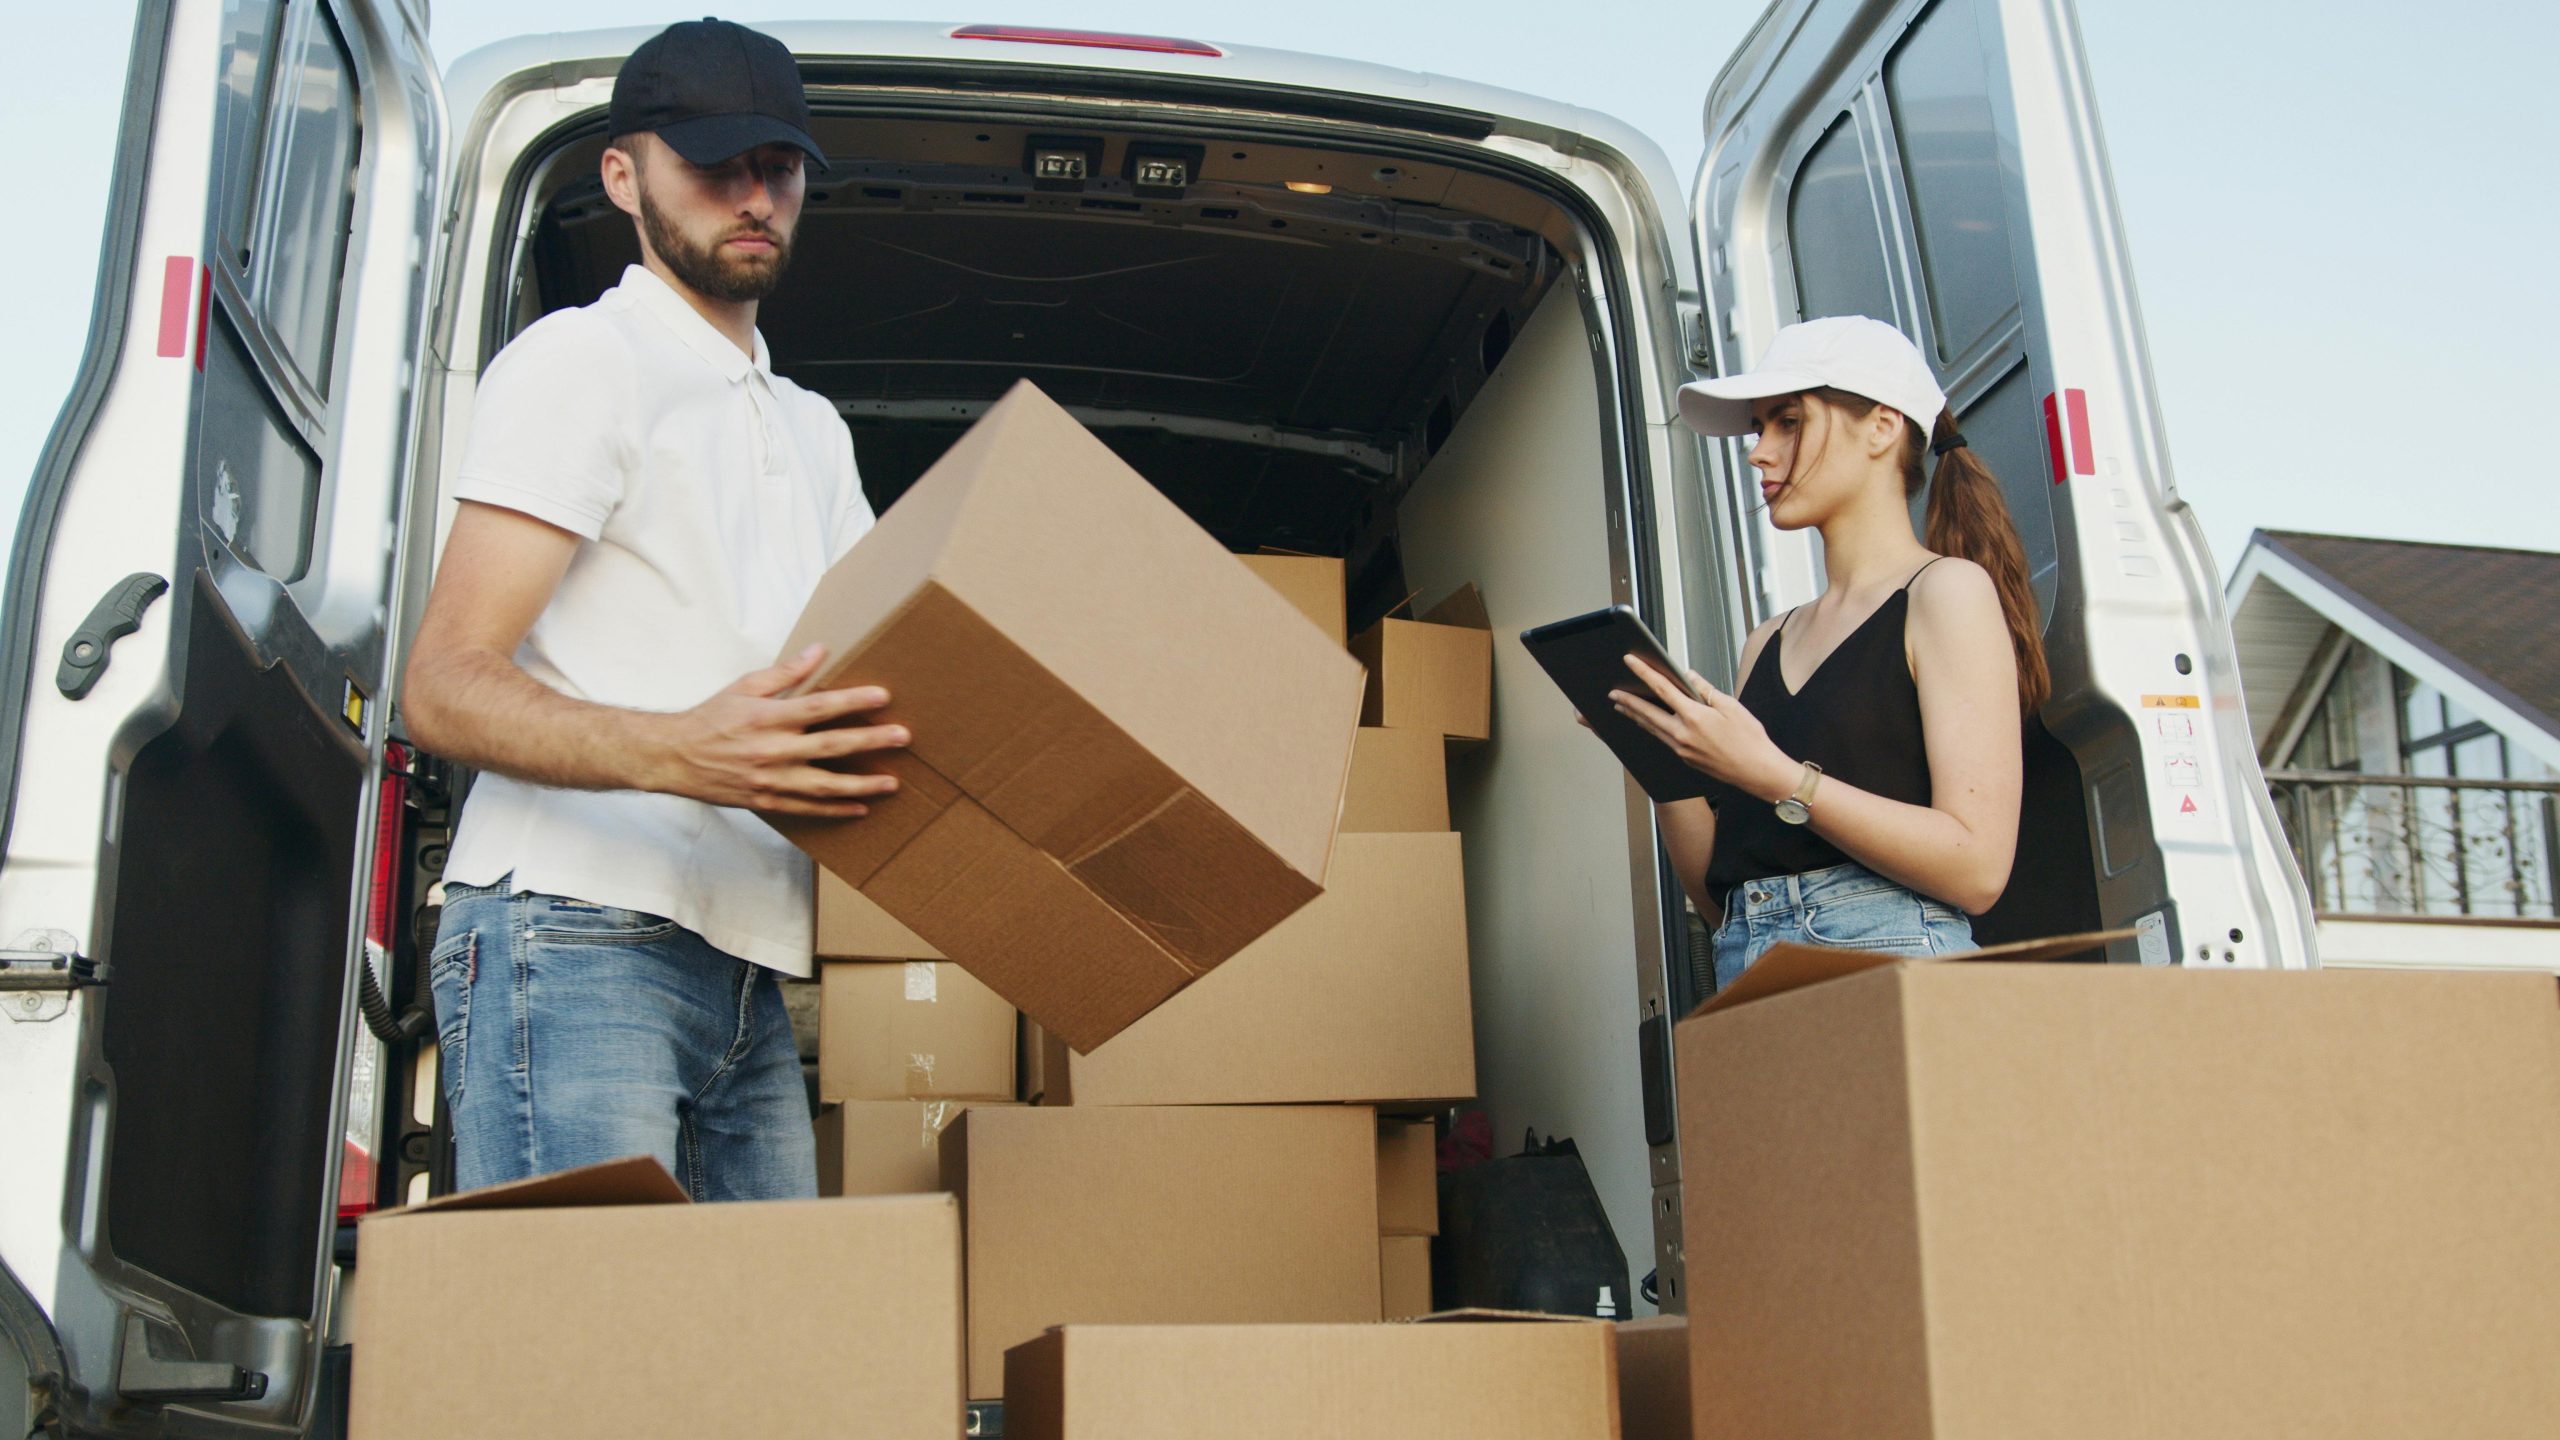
(919, 1074)
(921, 984)
(936, 1113)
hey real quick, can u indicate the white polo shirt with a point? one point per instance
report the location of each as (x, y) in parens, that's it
(711, 495)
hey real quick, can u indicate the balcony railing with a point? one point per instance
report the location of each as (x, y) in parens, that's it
(2415, 846)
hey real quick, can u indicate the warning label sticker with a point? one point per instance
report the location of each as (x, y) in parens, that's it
(2172, 702)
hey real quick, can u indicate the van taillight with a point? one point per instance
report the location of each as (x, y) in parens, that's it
(389, 817)
(357, 1176)
(1088, 39)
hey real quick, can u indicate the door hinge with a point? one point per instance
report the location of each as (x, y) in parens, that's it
(27, 977)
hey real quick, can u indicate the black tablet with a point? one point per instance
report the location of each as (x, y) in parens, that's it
(1586, 657)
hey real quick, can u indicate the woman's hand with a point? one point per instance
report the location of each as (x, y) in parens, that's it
(1716, 736)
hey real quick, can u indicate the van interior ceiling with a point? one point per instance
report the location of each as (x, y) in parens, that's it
(1280, 341)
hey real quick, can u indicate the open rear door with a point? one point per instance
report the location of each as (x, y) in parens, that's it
(190, 744)
(1937, 164)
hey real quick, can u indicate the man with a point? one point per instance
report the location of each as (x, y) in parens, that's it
(645, 509)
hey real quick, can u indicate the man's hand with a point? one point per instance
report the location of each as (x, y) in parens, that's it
(1715, 736)
(748, 747)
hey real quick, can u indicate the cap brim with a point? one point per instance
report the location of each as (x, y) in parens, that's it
(717, 139)
(1722, 406)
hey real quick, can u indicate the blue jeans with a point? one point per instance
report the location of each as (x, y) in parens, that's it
(572, 1033)
(1848, 906)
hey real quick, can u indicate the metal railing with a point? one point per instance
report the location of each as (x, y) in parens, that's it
(2416, 846)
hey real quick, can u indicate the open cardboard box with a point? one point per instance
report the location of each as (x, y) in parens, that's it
(1978, 1195)
(1434, 673)
(597, 1304)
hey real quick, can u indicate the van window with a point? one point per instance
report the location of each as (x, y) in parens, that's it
(249, 30)
(289, 142)
(314, 162)
(1843, 272)
(260, 482)
(1940, 98)
(1951, 222)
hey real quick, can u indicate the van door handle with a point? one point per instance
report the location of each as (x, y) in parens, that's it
(117, 614)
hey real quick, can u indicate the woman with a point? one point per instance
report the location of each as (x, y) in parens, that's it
(1864, 783)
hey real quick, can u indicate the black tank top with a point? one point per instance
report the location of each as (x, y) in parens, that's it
(1858, 717)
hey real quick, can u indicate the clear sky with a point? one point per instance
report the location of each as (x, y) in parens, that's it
(2341, 213)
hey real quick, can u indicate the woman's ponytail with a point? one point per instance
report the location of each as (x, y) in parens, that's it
(1967, 517)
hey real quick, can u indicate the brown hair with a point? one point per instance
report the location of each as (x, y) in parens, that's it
(1968, 518)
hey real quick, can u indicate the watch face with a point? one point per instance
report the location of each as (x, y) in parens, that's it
(1793, 811)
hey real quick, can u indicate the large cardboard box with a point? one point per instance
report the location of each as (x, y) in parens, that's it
(885, 1147)
(1965, 1198)
(1313, 583)
(597, 1305)
(1408, 1177)
(1171, 1216)
(1481, 1380)
(1653, 1378)
(1404, 1276)
(1399, 781)
(912, 1029)
(1435, 673)
(1128, 751)
(851, 927)
(1360, 997)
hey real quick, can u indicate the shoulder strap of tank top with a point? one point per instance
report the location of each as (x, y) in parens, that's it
(1923, 570)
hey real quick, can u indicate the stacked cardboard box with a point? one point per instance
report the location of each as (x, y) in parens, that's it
(1157, 1215)
(906, 1041)
(1363, 996)
(1408, 1214)
(1166, 1175)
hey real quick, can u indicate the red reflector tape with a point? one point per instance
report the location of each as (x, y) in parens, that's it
(1088, 39)
(2067, 438)
(177, 294)
(2083, 457)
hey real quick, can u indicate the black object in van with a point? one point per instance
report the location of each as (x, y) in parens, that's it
(1527, 1232)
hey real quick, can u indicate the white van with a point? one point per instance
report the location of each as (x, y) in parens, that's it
(1428, 326)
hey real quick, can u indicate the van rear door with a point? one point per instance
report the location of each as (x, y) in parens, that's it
(196, 626)
(1937, 163)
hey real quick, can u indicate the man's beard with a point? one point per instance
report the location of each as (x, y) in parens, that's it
(707, 269)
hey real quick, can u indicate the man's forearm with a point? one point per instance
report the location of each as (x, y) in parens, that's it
(483, 710)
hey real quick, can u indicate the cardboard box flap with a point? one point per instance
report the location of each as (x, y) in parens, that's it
(632, 1180)
(1464, 608)
(1790, 966)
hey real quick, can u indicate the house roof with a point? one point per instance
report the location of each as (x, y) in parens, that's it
(2489, 616)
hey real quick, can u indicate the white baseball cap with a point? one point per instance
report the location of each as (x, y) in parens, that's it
(1845, 352)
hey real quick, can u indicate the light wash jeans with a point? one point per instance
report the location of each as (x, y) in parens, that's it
(1848, 906)
(572, 1033)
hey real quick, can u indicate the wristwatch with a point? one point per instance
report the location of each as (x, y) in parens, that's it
(1797, 809)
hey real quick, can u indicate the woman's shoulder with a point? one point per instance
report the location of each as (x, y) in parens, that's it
(1951, 586)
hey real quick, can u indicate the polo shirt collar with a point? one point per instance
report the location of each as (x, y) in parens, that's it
(699, 335)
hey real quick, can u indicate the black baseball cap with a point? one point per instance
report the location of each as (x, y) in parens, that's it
(713, 90)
